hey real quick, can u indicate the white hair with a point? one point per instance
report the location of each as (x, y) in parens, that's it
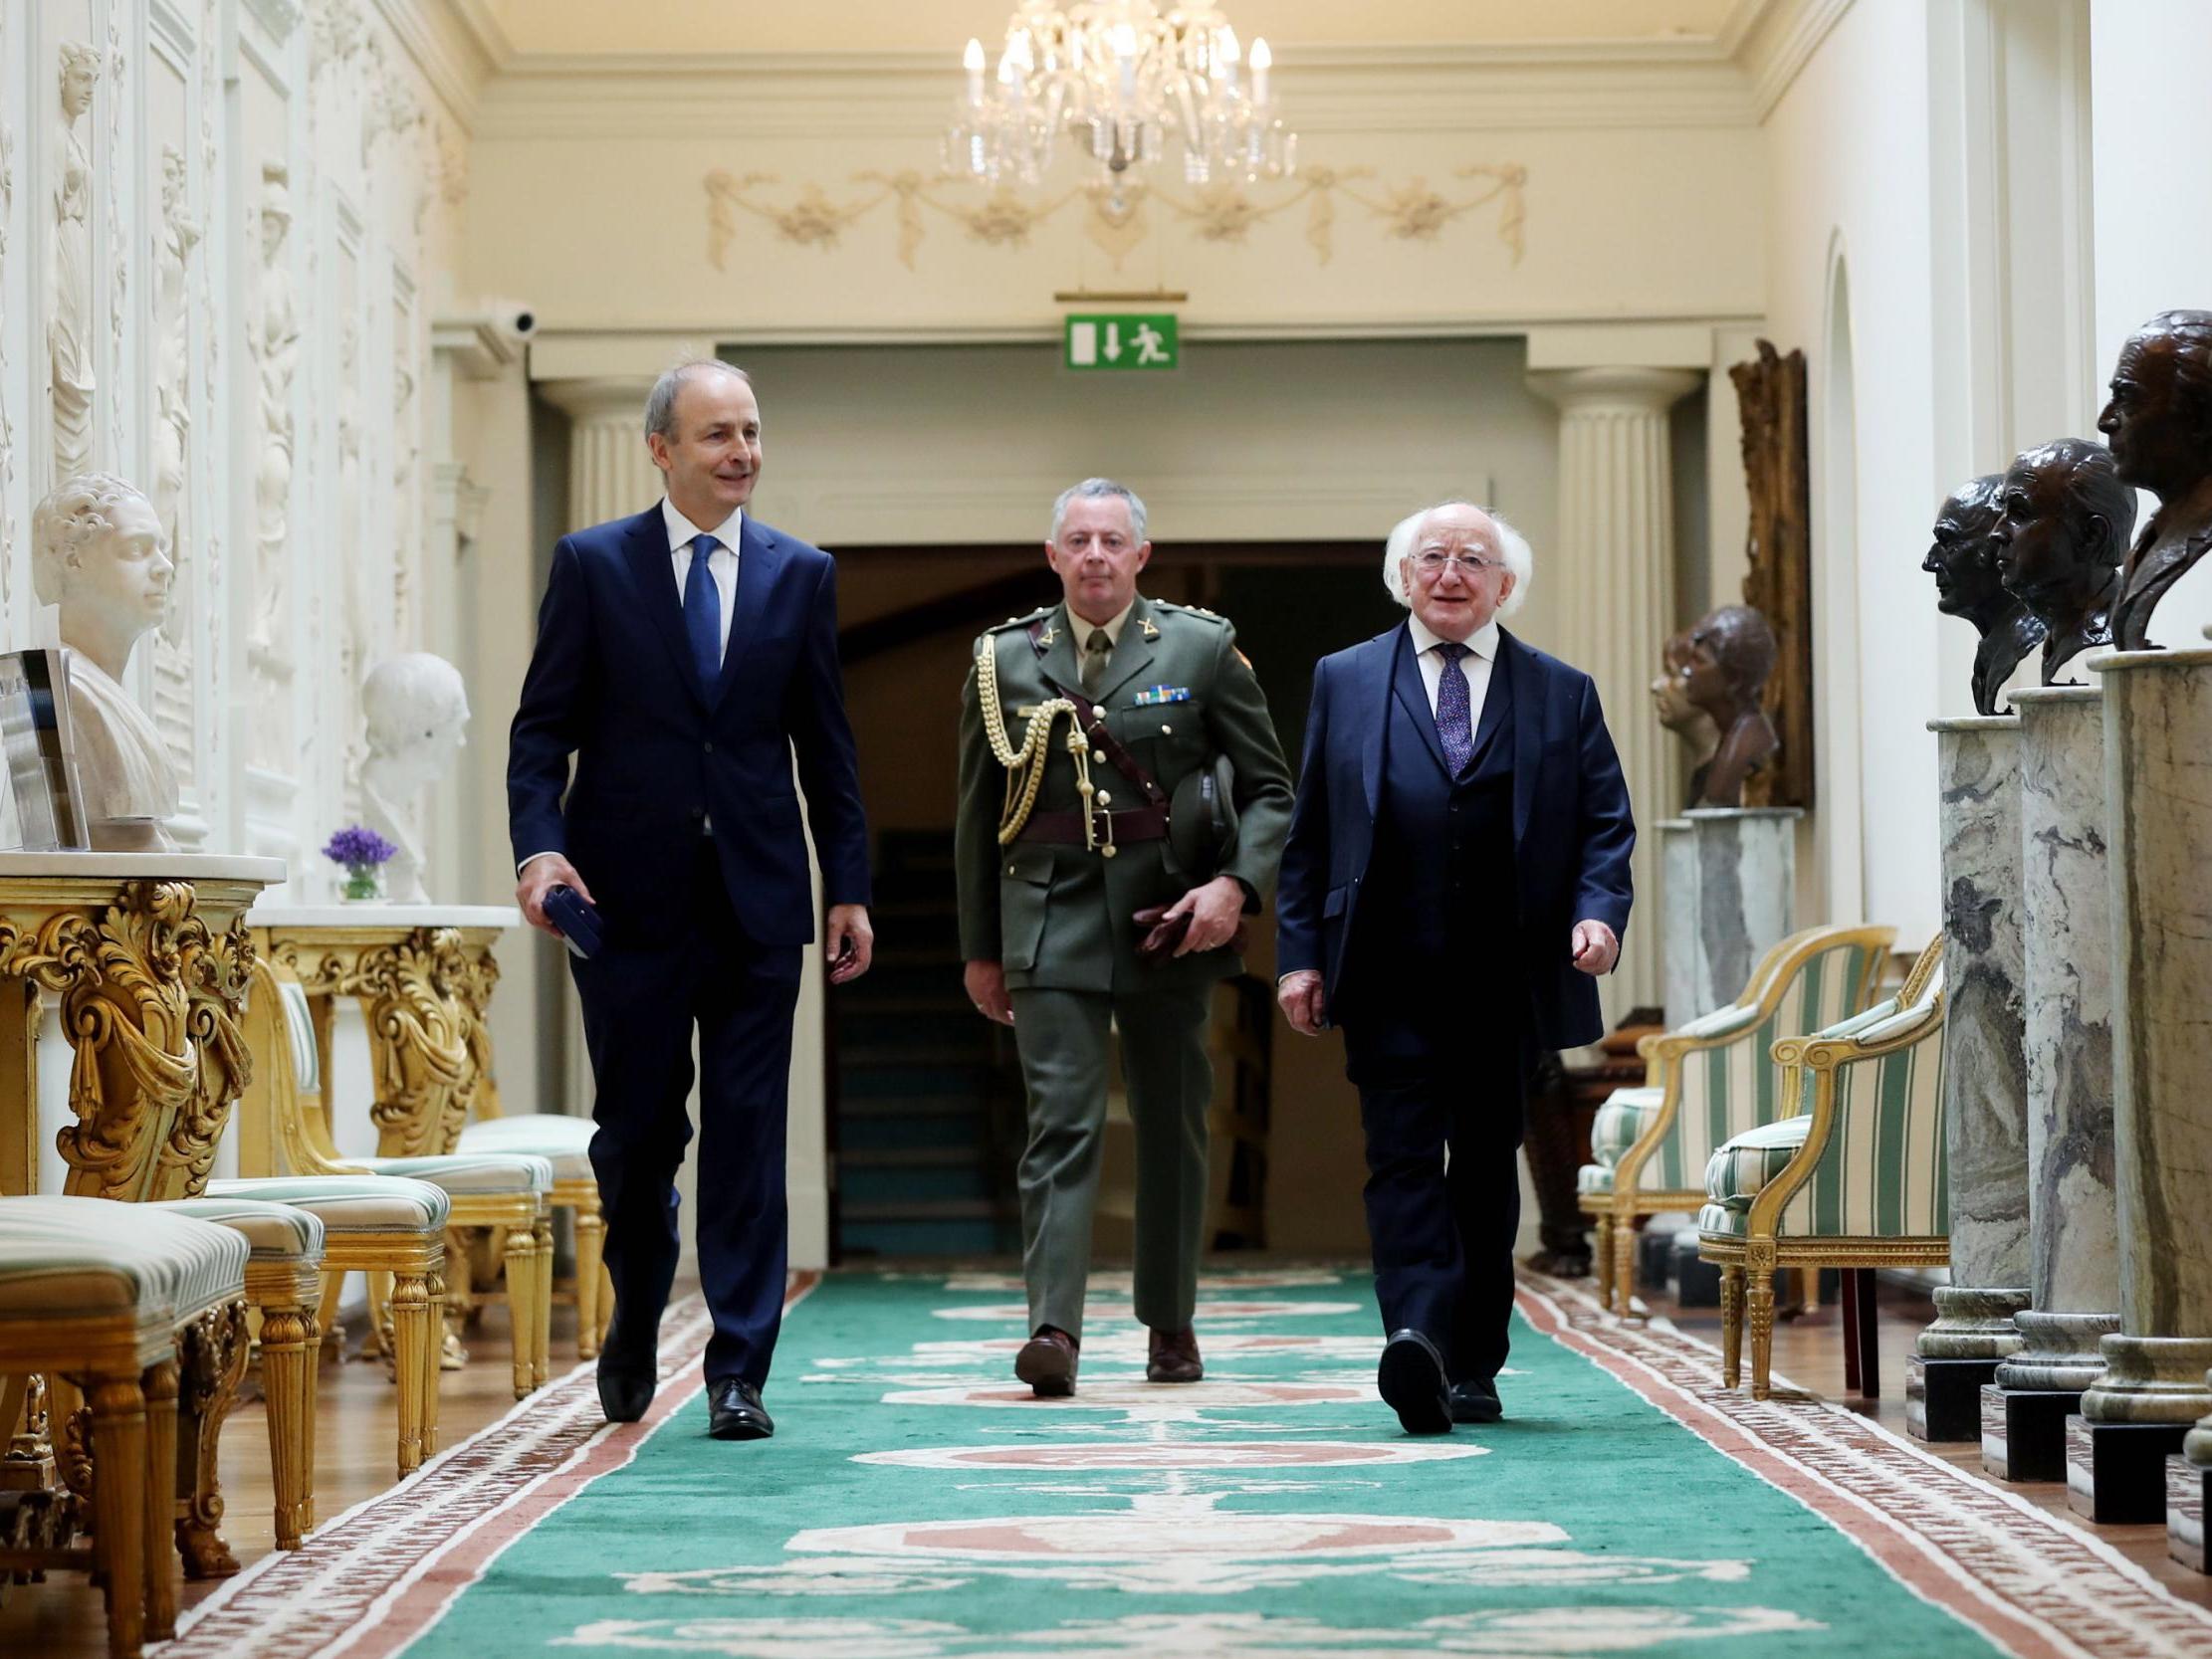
(1513, 547)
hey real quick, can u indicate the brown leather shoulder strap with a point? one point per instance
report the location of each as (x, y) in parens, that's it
(1088, 713)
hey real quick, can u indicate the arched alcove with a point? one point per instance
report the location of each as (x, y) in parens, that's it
(1838, 828)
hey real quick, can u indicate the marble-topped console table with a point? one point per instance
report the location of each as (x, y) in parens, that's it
(149, 956)
(423, 976)
(1985, 1081)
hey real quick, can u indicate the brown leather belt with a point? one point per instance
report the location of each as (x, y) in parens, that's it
(1065, 829)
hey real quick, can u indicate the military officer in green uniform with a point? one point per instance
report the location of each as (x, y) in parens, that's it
(1091, 776)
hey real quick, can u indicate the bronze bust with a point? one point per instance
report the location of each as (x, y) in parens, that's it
(2159, 424)
(1670, 701)
(1964, 560)
(1731, 655)
(2061, 535)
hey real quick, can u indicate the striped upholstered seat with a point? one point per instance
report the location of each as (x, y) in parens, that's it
(350, 1203)
(69, 1258)
(1857, 1180)
(99, 1291)
(565, 1141)
(1712, 1079)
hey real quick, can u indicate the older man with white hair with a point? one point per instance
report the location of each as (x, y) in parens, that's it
(1456, 874)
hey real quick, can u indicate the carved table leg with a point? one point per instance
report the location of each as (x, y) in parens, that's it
(590, 1247)
(214, 1360)
(521, 1298)
(412, 1363)
(287, 1343)
(118, 1409)
(1732, 1324)
(460, 1300)
(159, 1385)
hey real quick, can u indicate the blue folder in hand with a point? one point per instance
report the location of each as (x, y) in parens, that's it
(577, 921)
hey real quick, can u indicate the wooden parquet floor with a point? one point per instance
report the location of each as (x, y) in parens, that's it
(61, 1619)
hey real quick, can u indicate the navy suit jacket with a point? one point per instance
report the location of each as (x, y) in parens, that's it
(1572, 828)
(658, 753)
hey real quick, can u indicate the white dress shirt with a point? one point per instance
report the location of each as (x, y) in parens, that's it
(721, 565)
(1476, 664)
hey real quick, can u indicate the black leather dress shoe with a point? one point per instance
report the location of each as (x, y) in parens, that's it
(1475, 1401)
(624, 1392)
(1047, 1363)
(1411, 1382)
(735, 1412)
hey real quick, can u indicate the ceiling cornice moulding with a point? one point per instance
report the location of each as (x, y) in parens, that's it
(448, 54)
(1782, 42)
(911, 104)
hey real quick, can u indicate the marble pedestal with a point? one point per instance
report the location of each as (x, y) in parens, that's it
(1731, 887)
(1678, 861)
(2073, 1227)
(2158, 782)
(1985, 1079)
(2188, 1494)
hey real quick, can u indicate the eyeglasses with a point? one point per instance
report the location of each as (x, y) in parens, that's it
(1470, 565)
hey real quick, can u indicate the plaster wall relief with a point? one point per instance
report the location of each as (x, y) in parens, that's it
(1116, 222)
(69, 284)
(168, 427)
(274, 340)
(10, 286)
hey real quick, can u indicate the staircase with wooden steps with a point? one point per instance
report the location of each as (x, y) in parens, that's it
(928, 1092)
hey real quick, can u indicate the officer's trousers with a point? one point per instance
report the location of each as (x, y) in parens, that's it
(1062, 1037)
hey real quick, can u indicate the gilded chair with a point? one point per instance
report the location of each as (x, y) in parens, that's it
(287, 1134)
(1856, 1179)
(121, 1300)
(284, 1286)
(567, 1142)
(1709, 1080)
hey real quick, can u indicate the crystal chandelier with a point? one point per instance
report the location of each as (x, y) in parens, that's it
(1126, 86)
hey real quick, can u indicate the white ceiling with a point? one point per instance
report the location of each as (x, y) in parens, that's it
(531, 28)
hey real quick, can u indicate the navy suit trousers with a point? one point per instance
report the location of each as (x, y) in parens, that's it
(1442, 1237)
(642, 998)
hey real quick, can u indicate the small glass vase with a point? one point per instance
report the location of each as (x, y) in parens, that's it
(365, 884)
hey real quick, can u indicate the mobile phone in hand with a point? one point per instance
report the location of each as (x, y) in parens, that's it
(577, 921)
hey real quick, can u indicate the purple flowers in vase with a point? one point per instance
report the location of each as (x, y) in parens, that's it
(362, 853)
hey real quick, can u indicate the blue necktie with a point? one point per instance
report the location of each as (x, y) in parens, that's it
(1454, 724)
(702, 614)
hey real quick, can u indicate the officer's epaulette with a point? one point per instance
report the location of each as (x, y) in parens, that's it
(1191, 611)
(1020, 621)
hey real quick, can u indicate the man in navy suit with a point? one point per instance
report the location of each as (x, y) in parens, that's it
(684, 658)
(1457, 871)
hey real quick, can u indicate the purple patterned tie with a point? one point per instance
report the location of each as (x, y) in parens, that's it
(1454, 724)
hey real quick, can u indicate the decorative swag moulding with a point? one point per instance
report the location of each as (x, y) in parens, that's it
(1004, 216)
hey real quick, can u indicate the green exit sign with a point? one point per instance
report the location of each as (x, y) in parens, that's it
(1123, 340)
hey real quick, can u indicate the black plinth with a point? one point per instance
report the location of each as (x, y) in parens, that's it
(2188, 1494)
(1697, 1282)
(2023, 1432)
(1943, 1397)
(2115, 1473)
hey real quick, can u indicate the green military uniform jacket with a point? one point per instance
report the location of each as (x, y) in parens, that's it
(1059, 916)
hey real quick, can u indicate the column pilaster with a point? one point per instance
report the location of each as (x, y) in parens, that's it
(1614, 572)
(610, 475)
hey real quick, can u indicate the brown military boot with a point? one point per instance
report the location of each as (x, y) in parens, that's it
(1047, 1363)
(1174, 1357)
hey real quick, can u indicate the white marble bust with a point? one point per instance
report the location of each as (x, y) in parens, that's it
(416, 708)
(98, 552)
